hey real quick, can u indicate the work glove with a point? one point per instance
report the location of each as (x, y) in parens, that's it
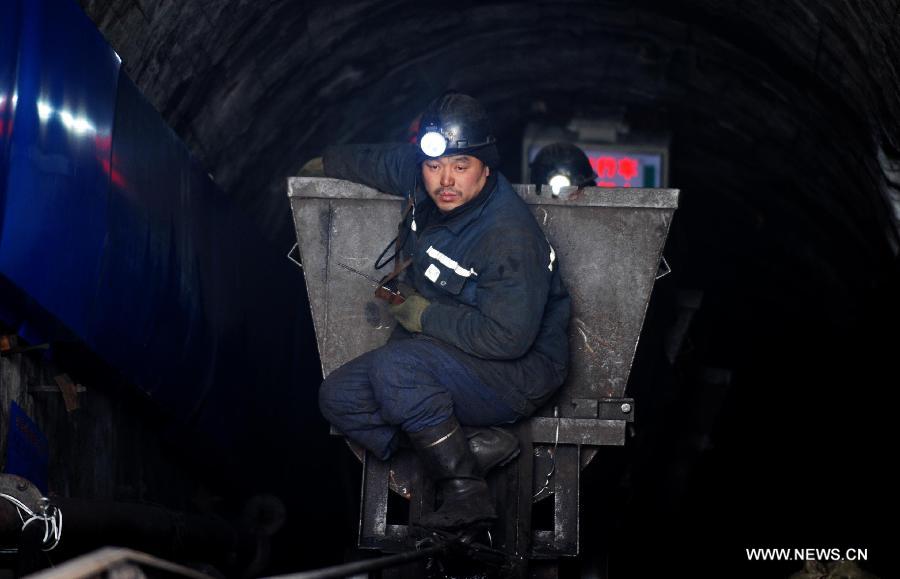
(409, 313)
(313, 168)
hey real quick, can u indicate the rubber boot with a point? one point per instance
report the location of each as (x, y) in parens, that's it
(492, 446)
(446, 457)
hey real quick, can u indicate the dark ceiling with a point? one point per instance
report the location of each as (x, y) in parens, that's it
(784, 119)
(754, 94)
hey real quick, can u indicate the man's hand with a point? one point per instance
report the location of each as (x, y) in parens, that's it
(313, 168)
(409, 313)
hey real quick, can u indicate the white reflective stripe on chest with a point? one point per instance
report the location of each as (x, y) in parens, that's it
(448, 262)
(552, 258)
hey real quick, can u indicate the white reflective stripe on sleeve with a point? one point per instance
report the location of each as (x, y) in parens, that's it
(552, 258)
(448, 262)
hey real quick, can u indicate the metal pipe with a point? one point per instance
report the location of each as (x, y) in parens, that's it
(151, 528)
(155, 529)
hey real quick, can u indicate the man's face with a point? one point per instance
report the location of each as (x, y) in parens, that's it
(454, 180)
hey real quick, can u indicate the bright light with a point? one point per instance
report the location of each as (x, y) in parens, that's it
(45, 111)
(82, 126)
(557, 182)
(78, 125)
(67, 119)
(15, 99)
(433, 144)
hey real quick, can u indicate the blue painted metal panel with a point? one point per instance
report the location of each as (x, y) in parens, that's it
(149, 319)
(58, 157)
(112, 235)
(10, 26)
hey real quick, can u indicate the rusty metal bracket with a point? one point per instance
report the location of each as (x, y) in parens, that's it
(603, 408)
(9, 345)
(69, 391)
(64, 385)
(584, 431)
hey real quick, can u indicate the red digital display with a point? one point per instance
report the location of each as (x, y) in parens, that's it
(615, 171)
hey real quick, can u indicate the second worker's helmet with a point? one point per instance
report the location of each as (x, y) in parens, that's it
(456, 124)
(562, 165)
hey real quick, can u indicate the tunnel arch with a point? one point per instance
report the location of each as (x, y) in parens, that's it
(257, 89)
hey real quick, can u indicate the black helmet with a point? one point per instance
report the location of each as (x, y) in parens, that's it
(562, 165)
(456, 124)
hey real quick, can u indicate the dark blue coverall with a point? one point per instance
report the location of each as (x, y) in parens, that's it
(494, 341)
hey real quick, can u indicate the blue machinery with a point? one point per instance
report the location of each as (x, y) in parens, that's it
(112, 236)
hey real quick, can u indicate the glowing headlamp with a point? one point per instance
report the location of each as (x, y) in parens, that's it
(557, 182)
(433, 143)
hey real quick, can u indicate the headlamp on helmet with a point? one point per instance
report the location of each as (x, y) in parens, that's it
(433, 143)
(557, 182)
(562, 165)
(455, 124)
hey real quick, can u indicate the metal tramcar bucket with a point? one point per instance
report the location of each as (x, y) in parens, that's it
(609, 243)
